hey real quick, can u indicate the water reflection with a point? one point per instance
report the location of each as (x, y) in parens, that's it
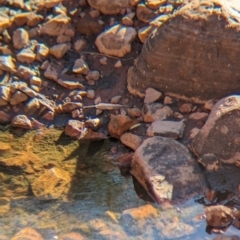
(100, 203)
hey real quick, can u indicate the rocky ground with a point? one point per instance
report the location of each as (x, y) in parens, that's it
(64, 64)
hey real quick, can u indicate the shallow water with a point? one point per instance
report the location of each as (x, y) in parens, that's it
(96, 200)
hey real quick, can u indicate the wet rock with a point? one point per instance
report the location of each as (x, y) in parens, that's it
(72, 236)
(51, 184)
(58, 50)
(25, 72)
(32, 106)
(154, 111)
(26, 56)
(169, 129)
(195, 85)
(116, 41)
(152, 95)
(18, 97)
(166, 170)
(21, 121)
(5, 95)
(75, 129)
(144, 13)
(219, 216)
(20, 38)
(198, 116)
(109, 7)
(119, 124)
(177, 230)
(131, 140)
(4, 117)
(89, 26)
(4, 205)
(28, 233)
(80, 66)
(42, 52)
(56, 26)
(80, 44)
(7, 64)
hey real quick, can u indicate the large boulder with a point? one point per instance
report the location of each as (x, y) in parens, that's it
(193, 55)
(218, 144)
(167, 171)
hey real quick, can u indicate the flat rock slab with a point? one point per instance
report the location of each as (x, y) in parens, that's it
(218, 144)
(212, 72)
(167, 171)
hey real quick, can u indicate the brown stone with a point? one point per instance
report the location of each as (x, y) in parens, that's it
(21, 121)
(59, 50)
(4, 117)
(18, 97)
(7, 64)
(25, 72)
(144, 13)
(119, 124)
(152, 95)
(89, 26)
(131, 140)
(204, 76)
(28, 233)
(80, 66)
(72, 236)
(20, 38)
(75, 129)
(26, 55)
(219, 216)
(186, 108)
(52, 184)
(167, 171)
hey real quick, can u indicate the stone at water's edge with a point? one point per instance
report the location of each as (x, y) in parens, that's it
(218, 142)
(194, 55)
(167, 171)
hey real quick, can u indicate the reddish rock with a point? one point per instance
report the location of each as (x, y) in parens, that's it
(119, 124)
(219, 216)
(75, 129)
(4, 117)
(204, 76)
(21, 121)
(131, 140)
(72, 236)
(186, 108)
(152, 95)
(20, 38)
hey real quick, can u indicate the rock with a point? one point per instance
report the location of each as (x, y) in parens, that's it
(184, 82)
(155, 4)
(131, 140)
(193, 133)
(29, 18)
(36, 81)
(93, 136)
(72, 236)
(223, 123)
(18, 97)
(4, 117)
(17, 3)
(21, 121)
(169, 129)
(103, 60)
(25, 72)
(5, 95)
(53, 71)
(28, 91)
(5, 21)
(28, 233)
(198, 116)
(209, 105)
(144, 33)
(63, 39)
(59, 50)
(186, 108)
(177, 230)
(152, 95)
(7, 64)
(154, 111)
(69, 106)
(167, 100)
(56, 26)
(49, 116)
(80, 66)
(80, 44)
(145, 14)
(70, 84)
(93, 123)
(75, 129)
(20, 38)
(134, 112)
(93, 75)
(91, 94)
(127, 20)
(219, 216)
(116, 41)
(223, 237)
(26, 56)
(119, 124)
(125, 159)
(118, 64)
(167, 171)
(51, 184)
(109, 7)
(42, 52)
(32, 106)
(49, 3)
(89, 26)
(116, 99)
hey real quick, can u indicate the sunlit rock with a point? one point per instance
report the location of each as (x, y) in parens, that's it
(28, 233)
(131, 140)
(20, 38)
